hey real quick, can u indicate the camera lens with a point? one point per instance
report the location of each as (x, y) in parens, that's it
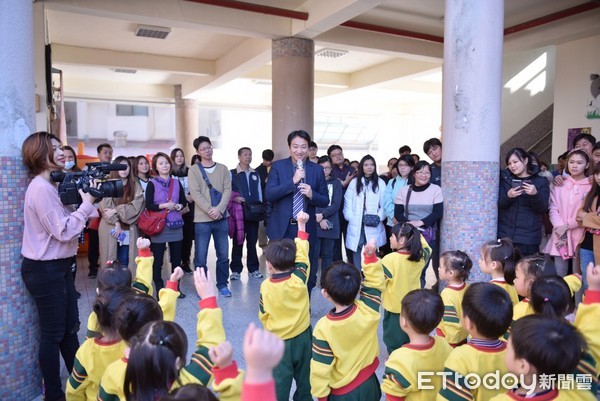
(111, 188)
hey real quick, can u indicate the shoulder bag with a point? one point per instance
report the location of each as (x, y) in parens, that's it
(153, 222)
(215, 196)
(369, 220)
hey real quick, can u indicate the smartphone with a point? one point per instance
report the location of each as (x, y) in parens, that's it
(517, 183)
(527, 182)
(329, 225)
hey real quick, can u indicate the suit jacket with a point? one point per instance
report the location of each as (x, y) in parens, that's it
(262, 172)
(280, 191)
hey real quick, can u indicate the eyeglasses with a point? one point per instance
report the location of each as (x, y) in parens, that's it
(336, 154)
(209, 147)
(421, 172)
(326, 168)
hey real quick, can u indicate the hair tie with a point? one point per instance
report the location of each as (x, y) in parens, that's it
(499, 241)
(546, 300)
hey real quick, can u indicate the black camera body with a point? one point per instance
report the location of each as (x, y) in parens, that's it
(71, 183)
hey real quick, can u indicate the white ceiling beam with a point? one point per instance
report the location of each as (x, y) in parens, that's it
(322, 78)
(74, 55)
(326, 15)
(392, 70)
(179, 13)
(247, 56)
(374, 42)
(101, 89)
(566, 30)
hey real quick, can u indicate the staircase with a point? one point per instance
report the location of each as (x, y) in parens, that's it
(535, 136)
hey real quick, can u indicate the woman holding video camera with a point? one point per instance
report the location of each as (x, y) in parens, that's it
(50, 234)
(522, 200)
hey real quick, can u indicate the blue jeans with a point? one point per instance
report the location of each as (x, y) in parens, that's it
(585, 256)
(53, 290)
(123, 254)
(218, 229)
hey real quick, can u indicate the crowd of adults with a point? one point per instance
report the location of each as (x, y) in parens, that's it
(348, 203)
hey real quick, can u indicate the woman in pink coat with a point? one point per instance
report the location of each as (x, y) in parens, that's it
(565, 201)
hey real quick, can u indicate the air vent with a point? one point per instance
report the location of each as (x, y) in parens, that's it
(151, 31)
(331, 53)
(124, 70)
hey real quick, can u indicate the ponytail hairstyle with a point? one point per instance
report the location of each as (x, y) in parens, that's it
(134, 312)
(373, 179)
(412, 240)
(501, 251)
(105, 306)
(157, 354)
(459, 262)
(524, 157)
(129, 185)
(588, 203)
(532, 267)
(551, 296)
(114, 277)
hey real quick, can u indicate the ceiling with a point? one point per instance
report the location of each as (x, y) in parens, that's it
(216, 52)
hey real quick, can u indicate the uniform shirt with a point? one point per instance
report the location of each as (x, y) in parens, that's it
(401, 377)
(450, 326)
(510, 289)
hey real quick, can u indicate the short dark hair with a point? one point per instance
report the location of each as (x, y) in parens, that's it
(155, 161)
(299, 133)
(240, 150)
(431, 142)
(332, 148)
(312, 145)
(103, 145)
(551, 296)
(37, 152)
(403, 149)
(201, 139)
(552, 346)
(590, 138)
(281, 254)
(489, 308)
(594, 148)
(324, 159)
(342, 282)
(459, 262)
(413, 155)
(418, 166)
(423, 309)
(268, 155)
(105, 306)
(113, 277)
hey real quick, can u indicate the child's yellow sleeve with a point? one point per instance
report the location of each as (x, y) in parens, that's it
(228, 382)
(321, 364)
(167, 299)
(143, 275)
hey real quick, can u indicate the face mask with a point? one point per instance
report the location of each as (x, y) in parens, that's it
(69, 165)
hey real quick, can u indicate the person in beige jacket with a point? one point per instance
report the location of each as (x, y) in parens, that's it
(210, 213)
(118, 230)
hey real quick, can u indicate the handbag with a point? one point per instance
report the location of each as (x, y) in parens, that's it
(254, 211)
(215, 196)
(369, 220)
(429, 233)
(153, 222)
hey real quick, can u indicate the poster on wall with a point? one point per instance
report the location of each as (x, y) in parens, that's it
(573, 132)
(594, 105)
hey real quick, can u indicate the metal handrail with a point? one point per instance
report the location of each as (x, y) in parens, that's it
(540, 140)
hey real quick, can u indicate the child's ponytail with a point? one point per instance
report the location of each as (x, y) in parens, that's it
(412, 240)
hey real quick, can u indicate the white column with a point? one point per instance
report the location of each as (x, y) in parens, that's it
(21, 378)
(186, 123)
(472, 98)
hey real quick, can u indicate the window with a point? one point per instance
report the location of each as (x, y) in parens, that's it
(130, 110)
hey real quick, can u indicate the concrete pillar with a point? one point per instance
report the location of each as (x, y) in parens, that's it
(186, 124)
(19, 329)
(472, 98)
(39, 42)
(292, 73)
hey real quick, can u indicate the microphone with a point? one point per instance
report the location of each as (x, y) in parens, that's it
(300, 165)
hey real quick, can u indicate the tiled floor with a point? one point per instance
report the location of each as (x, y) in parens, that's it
(238, 311)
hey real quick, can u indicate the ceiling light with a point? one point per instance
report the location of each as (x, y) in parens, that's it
(124, 70)
(331, 53)
(151, 31)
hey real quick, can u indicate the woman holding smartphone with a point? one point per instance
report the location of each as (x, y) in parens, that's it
(522, 199)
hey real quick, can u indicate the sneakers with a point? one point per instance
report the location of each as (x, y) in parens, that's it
(181, 295)
(186, 270)
(93, 273)
(224, 291)
(256, 274)
(234, 276)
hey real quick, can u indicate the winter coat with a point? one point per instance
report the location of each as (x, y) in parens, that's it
(331, 212)
(354, 207)
(520, 219)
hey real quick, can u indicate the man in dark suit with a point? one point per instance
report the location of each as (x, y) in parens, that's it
(263, 172)
(286, 177)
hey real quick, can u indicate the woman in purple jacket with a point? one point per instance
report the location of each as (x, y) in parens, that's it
(50, 234)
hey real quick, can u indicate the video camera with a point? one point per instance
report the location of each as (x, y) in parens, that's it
(71, 183)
